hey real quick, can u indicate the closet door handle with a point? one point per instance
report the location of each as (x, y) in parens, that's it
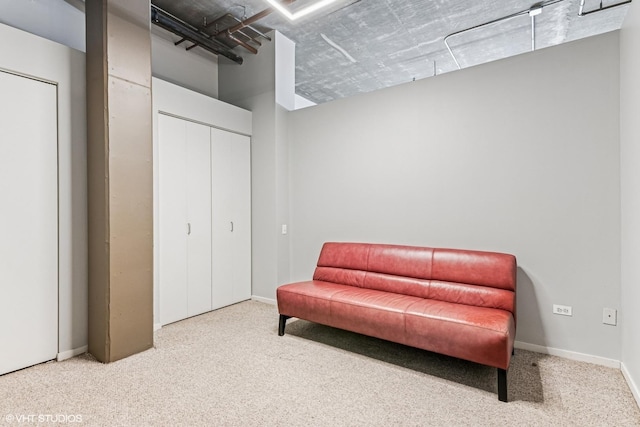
(232, 226)
(188, 229)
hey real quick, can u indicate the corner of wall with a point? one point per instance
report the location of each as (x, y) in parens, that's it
(254, 85)
(635, 390)
(630, 196)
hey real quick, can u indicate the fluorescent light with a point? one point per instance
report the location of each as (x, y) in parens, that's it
(302, 12)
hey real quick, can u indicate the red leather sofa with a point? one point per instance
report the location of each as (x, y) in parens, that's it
(450, 301)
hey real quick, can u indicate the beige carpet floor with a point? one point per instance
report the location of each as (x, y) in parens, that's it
(230, 368)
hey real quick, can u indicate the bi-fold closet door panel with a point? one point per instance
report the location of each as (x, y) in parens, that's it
(204, 218)
(28, 222)
(184, 219)
(241, 246)
(231, 217)
(223, 224)
(172, 218)
(198, 218)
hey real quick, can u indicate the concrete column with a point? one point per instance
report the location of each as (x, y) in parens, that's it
(120, 178)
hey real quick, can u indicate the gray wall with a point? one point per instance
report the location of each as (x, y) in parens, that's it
(34, 56)
(54, 20)
(252, 86)
(190, 69)
(519, 156)
(63, 23)
(60, 22)
(630, 181)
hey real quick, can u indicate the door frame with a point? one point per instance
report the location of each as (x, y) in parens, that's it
(173, 100)
(31, 56)
(56, 302)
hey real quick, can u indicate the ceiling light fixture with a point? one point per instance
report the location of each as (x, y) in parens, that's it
(302, 12)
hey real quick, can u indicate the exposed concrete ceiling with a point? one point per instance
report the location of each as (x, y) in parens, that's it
(359, 46)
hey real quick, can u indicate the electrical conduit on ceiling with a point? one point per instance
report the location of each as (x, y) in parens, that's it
(601, 8)
(533, 11)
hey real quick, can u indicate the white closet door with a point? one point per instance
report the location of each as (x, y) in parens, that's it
(184, 218)
(231, 218)
(223, 224)
(241, 189)
(28, 222)
(172, 218)
(199, 218)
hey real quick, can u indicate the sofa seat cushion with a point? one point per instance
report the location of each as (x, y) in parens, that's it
(308, 300)
(479, 334)
(444, 327)
(371, 312)
(366, 311)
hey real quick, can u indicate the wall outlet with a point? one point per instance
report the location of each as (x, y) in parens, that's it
(563, 310)
(610, 316)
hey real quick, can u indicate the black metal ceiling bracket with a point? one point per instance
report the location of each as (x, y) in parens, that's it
(170, 23)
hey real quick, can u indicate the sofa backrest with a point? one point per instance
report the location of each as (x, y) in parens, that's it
(478, 278)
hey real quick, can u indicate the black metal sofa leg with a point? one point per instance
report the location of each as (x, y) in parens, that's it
(502, 385)
(282, 324)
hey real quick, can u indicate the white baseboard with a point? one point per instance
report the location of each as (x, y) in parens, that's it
(72, 353)
(157, 326)
(632, 385)
(264, 300)
(572, 355)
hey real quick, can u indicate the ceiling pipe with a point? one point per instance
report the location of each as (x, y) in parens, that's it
(228, 15)
(601, 8)
(251, 39)
(242, 43)
(533, 12)
(258, 32)
(238, 20)
(258, 16)
(533, 33)
(246, 23)
(228, 33)
(535, 7)
(245, 44)
(171, 23)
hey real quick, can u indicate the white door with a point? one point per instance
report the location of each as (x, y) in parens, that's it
(231, 218)
(223, 223)
(172, 218)
(184, 218)
(199, 218)
(28, 222)
(241, 188)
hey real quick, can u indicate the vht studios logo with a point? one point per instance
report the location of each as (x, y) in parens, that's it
(43, 418)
